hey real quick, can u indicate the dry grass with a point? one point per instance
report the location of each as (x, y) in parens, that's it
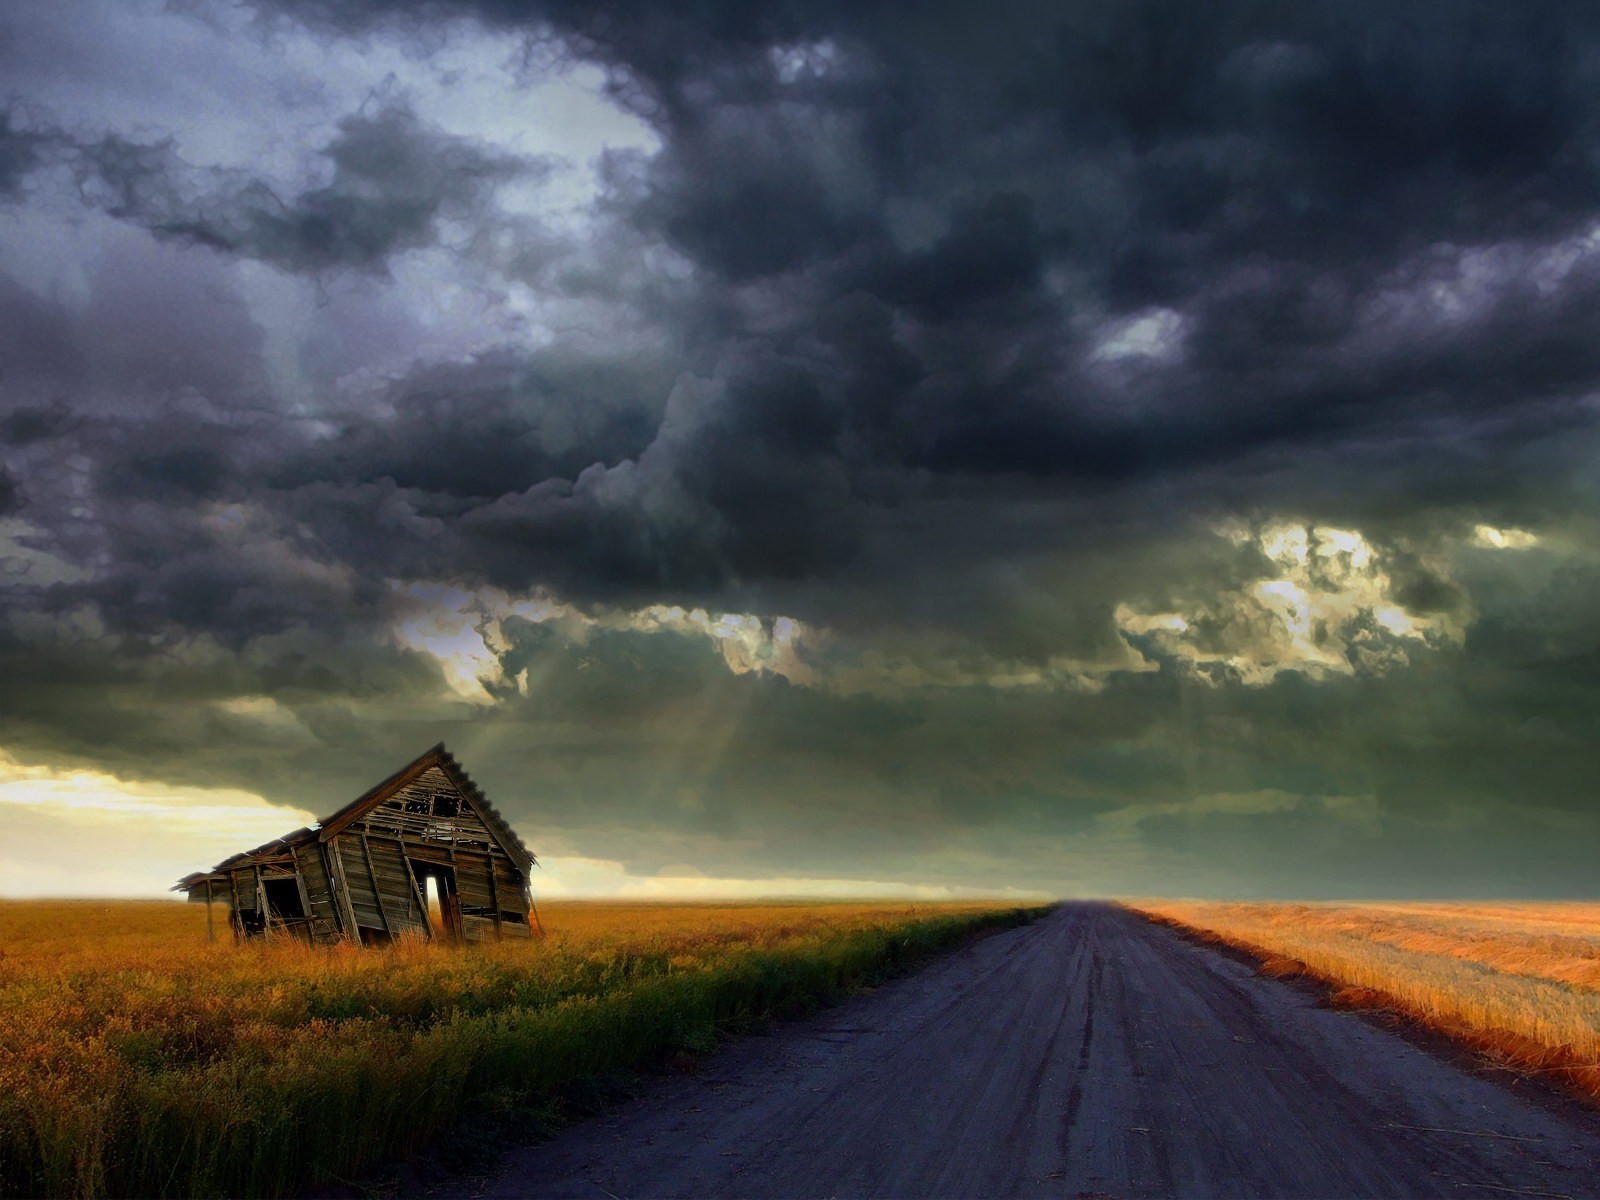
(1519, 982)
(136, 1059)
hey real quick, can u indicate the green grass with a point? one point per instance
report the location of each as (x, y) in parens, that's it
(341, 1068)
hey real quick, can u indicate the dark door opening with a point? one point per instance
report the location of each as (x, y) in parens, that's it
(283, 899)
(437, 883)
(285, 907)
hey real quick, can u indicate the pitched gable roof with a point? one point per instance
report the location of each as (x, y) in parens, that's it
(439, 757)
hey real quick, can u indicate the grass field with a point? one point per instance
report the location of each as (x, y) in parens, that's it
(1518, 982)
(136, 1059)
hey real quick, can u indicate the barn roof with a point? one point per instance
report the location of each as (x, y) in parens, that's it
(439, 757)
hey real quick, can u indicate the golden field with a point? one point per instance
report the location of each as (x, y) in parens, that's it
(1519, 982)
(137, 1059)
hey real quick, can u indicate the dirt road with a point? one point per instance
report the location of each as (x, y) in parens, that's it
(1089, 1055)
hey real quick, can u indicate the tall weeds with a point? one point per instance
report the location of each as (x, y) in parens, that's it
(137, 1060)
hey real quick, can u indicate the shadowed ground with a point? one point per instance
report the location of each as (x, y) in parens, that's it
(1091, 1054)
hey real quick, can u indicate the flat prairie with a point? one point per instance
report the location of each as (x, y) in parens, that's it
(137, 1058)
(1518, 982)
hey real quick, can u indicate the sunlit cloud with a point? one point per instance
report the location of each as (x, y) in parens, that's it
(1329, 608)
(1156, 334)
(264, 716)
(450, 626)
(463, 631)
(1503, 539)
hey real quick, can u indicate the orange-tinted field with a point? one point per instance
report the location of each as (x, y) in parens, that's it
(1519, 982)
(137, 1059)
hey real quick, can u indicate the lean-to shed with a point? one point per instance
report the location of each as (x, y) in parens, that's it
(366, 872)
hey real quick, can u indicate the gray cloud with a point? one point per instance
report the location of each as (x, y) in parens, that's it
(21, 150)
(961, 337)
(393, 182)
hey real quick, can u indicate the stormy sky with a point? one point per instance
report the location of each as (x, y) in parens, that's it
(1136, 447)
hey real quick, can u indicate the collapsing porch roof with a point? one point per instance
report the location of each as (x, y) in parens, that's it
(280, 848)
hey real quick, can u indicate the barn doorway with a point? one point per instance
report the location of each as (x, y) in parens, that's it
(437, 883)
(283, 899)
(286, 909)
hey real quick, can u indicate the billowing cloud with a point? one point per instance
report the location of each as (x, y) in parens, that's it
(1325, 606)
(393, 184)
(21, 150)
(1086, 447)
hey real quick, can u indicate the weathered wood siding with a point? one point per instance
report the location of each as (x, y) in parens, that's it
(324, 912)
(357, 874)
(431, 810)
(475, 880)
(431, 821)
(480, 917)
(381, 891)
(399, 888)
(511, 887)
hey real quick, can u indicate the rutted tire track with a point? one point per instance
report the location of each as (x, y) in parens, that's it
(1091, 1054)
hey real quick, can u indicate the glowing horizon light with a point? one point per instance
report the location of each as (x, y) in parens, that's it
(157, 832)
(579, 877)
(143, 836)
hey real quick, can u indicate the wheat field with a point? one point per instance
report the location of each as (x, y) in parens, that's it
(136, 1058)
(1518, 982)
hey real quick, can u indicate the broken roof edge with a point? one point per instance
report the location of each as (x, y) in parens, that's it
(379, 792)
(437, 756)
(499, 828)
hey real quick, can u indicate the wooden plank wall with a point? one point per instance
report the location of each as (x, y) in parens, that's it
(241, 889)
(475, 884)
(398, 887)
(408, 814)
(381, 901)
(324, 914)
(410, 825)
(361, 878)
(511, 897)
(321, 924)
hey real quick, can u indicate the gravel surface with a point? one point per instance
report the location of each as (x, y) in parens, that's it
(1092, 1054)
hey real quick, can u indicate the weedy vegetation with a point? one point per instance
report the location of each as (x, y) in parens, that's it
(1519, 983)
(136, 1059)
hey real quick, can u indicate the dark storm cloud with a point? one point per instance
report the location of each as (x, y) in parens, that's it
(393, 181)
(953, 333)
(1293, 186)
(21, 150)
(500, 423)
(995, 190)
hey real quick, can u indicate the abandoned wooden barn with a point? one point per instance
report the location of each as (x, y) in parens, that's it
(368, 872)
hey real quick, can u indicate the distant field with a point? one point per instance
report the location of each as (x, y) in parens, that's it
(136, 1059)
(1519, 982)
